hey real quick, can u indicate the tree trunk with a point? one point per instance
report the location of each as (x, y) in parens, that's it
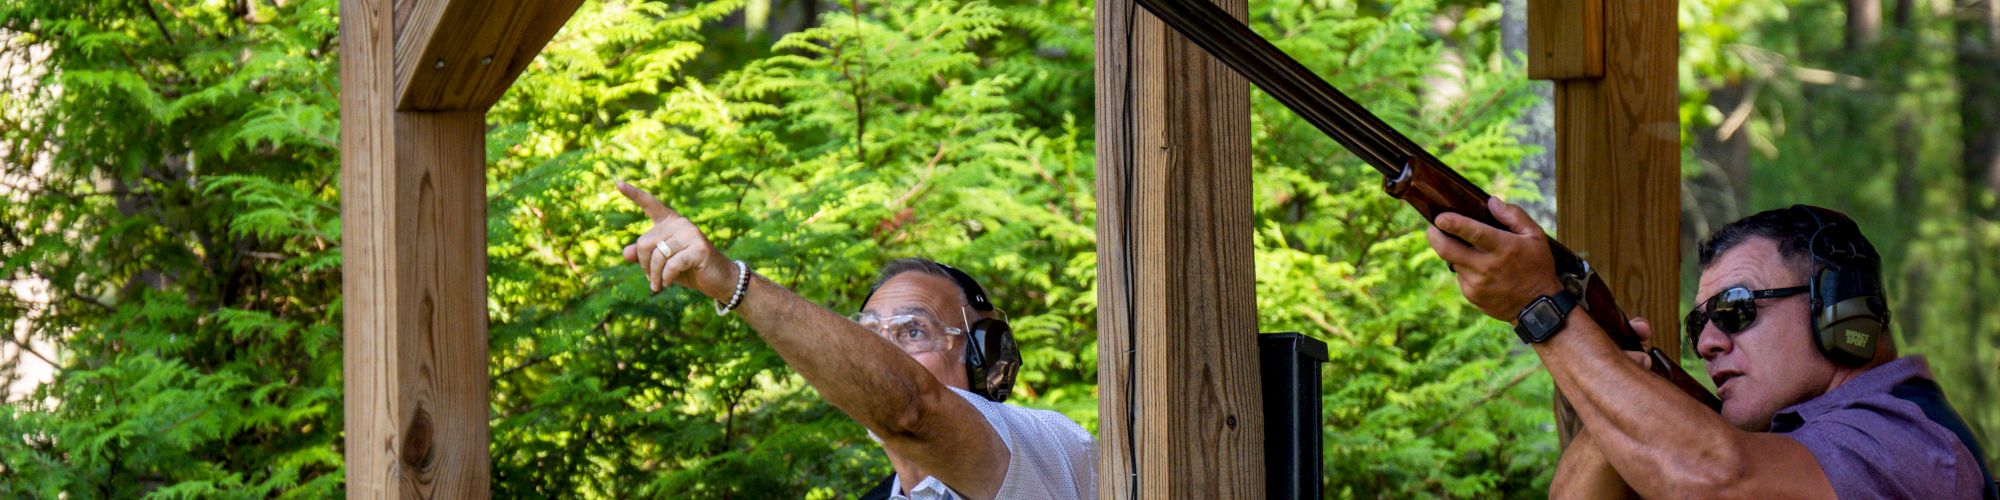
(1538, 124)
(1909, 189)
(1721, 191)
(1726, 147)
(1909, 208)
(1977, 40)
(1978, 61)
(1864, 23)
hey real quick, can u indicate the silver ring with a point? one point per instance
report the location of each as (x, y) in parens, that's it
(663, 251)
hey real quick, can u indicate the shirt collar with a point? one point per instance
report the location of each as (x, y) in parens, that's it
(930, 487)
(1874, 381)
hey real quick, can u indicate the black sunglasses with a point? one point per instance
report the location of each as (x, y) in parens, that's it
(1733, 310)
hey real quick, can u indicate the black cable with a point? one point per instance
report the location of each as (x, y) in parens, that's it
(1125, 259)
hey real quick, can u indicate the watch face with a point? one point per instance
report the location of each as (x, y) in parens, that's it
(1541, 317)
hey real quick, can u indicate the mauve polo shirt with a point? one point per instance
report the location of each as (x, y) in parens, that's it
(1872, 444)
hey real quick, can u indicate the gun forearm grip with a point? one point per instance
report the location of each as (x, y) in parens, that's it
(1435, 190)
(1604, 311)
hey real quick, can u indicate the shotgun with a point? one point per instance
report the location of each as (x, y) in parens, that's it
(1412, 174)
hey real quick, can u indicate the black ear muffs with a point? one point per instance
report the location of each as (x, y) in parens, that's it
(991, 358)
(1850, 317)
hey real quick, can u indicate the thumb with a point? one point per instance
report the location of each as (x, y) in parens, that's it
(1513, 216)
(654, 209)
(1643, 328)
(1641, 358)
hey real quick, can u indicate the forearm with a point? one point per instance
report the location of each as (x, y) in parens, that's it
(1639, 421)
(1584, 473)
(855, 370)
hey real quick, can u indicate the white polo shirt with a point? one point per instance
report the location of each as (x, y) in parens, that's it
(1049, 456)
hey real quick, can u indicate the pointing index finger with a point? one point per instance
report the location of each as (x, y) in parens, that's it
(654, 209)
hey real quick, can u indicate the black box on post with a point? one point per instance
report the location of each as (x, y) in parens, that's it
(1293, 446)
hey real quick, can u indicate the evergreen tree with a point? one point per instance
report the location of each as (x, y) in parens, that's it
(186, 226)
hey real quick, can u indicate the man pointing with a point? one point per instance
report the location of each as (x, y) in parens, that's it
(906, 367)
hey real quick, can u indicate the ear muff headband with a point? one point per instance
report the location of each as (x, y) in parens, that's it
(975, 295)
(1849, 313)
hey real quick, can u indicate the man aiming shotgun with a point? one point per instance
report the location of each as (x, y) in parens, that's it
(1814, 401)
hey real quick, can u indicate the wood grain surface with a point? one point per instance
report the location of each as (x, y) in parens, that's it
(1183, 227)
(463, 54)
(1565, 39)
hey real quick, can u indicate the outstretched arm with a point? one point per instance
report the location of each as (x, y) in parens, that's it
(862, 374)
(1662, 442)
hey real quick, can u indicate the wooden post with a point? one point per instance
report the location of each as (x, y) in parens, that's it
(1565, 39)
(1175, 262)
(413, 218)
(1618, 160)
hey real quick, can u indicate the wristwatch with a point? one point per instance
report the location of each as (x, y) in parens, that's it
(1544, 317)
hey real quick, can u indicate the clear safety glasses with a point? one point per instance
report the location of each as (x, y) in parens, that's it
(914, 333)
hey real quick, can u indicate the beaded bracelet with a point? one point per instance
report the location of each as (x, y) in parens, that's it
(742, 284)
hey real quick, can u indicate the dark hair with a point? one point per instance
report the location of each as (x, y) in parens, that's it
(1792, 228)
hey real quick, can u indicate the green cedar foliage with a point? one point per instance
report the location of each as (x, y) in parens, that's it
(960, 131)
(185, 222)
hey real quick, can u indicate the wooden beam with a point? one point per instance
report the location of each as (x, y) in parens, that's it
(462, 54)
(1618, 166)
(1174, 246)
(1565, 39)
(413, 217)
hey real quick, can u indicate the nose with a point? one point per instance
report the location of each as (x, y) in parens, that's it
(1712, 342)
